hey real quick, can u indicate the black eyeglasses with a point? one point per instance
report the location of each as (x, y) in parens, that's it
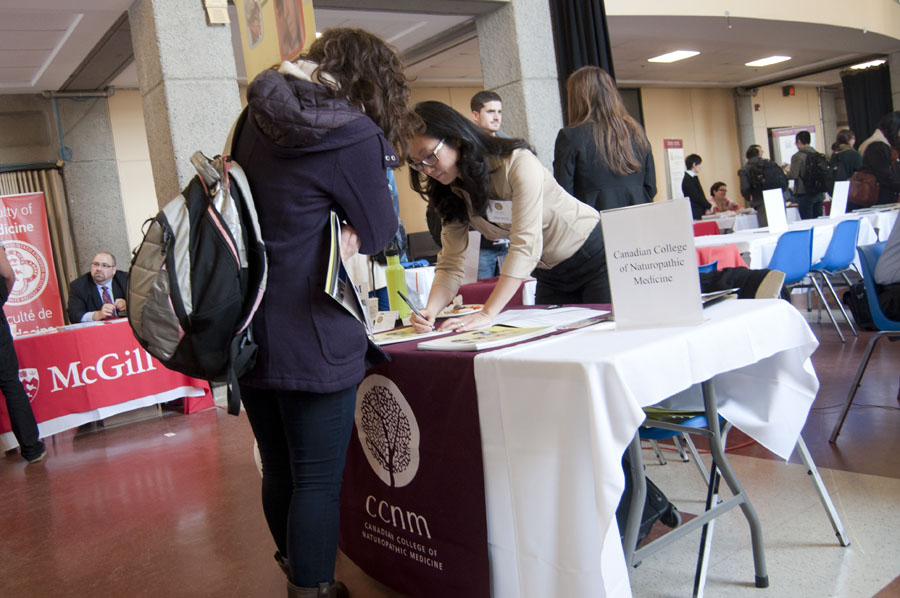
(429, 160)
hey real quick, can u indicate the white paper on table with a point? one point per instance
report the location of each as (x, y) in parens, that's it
(775, 211)
(652, 265)
(533, 318)
(839, 199)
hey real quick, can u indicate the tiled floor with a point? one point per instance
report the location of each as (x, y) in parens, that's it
(170, 507)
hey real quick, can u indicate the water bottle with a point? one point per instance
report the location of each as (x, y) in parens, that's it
(396, 281)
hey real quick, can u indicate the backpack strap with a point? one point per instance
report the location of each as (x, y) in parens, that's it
(242, 356)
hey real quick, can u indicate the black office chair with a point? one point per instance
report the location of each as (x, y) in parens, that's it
(422, 247)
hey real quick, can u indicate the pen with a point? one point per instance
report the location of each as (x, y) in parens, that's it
(411, 306)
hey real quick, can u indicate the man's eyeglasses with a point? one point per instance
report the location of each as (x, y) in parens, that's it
(429, 160)
(99, 265)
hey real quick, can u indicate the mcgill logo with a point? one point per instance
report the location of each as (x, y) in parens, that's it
(111, 366)
(31, 380)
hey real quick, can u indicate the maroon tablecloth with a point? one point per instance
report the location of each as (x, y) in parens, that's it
(479, 291)
(412, 503)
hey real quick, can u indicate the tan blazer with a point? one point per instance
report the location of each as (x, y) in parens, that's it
(548, 225)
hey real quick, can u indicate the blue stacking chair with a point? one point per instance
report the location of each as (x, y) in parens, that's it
(691, 419)
(868, 257)
(710, 267)
(793, 256)
(838, 260)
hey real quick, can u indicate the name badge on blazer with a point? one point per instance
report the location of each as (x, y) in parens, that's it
(499, 211)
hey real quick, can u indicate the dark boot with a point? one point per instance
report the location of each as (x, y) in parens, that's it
(325, 590)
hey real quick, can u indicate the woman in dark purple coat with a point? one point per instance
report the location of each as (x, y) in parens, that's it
(319, 137)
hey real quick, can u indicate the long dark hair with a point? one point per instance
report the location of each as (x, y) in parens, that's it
(368, 74)
(475, 146)
(618, 138)
(889, 124)
(844, 136)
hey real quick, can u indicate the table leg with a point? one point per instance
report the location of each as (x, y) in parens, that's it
(813, 471)
(718, 453)
(714, 434)
(638, 496)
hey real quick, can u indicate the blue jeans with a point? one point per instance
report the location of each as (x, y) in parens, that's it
(810, 205)
(303, 438)
(488, 266)
(21, 417)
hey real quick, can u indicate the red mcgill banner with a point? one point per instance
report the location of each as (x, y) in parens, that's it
(34, 302)
(92, 366)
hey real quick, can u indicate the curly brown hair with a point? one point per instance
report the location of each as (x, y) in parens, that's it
(369, 75)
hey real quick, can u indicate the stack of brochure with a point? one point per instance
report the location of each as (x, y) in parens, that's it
(486, 338)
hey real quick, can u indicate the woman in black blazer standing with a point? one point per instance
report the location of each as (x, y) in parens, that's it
(603, 157)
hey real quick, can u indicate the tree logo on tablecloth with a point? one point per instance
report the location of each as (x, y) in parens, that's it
(31, 380)
(388, 431)
(31, 270)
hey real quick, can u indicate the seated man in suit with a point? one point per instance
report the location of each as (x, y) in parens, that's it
(98, 294)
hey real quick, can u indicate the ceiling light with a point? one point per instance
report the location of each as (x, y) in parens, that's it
(674, 56)
(866, 65)
(767, 61)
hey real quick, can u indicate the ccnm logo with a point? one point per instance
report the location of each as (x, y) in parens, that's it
(388, 431)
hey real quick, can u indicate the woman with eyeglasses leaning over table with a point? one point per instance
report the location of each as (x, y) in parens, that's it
(498, 187)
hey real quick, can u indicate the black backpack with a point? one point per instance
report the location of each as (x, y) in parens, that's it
(857, 301)
(838, 169)
(198, 276)
(818, 175)
(766, 174)
(656, 506)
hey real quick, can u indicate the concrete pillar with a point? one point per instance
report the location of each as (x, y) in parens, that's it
(188, 83)
(519, 63)
(744, 112)
(829, 120)
(91, 176)
(894, 64)
(30, 133)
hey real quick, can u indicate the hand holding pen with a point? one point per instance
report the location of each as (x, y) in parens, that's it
(419, 320)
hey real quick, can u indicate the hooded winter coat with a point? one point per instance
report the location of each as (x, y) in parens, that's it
(305, 154)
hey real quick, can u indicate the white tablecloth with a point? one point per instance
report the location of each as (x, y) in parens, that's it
(760, 243)
(882, 219)
(734, 222)
(557, 414)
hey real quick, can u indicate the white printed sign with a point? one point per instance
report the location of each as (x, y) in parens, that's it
(775, 211)
(839, 199)
(652, 265)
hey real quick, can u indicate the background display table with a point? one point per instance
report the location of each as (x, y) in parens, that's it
(759, 244)
(87, 373)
